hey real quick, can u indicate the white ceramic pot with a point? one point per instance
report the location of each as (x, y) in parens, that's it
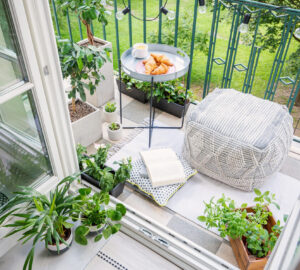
(115, 135)
(88, 129)
(62, 247)
(110, 116)
(94, 229)
(105, 89)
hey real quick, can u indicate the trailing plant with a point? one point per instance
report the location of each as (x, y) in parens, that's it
(114, 126)
(238, 223)
(87, 11)
(82, 65)
(91, 210)
(110, 107)
(45, 218)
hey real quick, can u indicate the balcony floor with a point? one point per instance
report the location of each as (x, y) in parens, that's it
(134, 113)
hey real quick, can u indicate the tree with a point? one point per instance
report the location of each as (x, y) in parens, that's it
(82, 65)
(87, 10)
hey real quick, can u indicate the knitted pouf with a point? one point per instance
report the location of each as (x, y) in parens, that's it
(237, 138)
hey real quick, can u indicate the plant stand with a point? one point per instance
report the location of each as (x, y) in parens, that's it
(128, 63)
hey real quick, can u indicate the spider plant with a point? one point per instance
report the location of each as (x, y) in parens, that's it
(40, 217)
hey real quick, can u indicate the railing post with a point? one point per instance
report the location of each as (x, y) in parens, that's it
(159, 21)
(55, 17)
(176, 23)
(188, 84)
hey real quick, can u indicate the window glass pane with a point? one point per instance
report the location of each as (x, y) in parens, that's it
(24, 159)
(11, 71)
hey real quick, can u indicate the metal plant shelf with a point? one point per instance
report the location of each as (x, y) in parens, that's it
(128, 63)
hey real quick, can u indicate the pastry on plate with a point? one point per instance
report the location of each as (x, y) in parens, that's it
(160, 58)
(150, 65)
(161, 69)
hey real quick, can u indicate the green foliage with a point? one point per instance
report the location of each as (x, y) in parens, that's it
(81, 154)
(172, 91)
(101, 155)
(92, 211)
(184, 34)
(88, 10)
(110, 107)
(107, 177)
(114, 126)
(44, 218)
(82, 65)
(123, 172)
(237, 223)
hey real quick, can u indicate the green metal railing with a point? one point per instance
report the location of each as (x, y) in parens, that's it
(290, 18)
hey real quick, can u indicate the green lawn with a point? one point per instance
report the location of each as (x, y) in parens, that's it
(199, 62)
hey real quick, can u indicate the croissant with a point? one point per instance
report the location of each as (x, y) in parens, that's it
(160, 58)
(150, 65)
(161, 69)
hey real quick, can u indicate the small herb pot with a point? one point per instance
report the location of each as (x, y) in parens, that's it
(62, 246)
(110, 116)
(117, 190)
(115, 135)
(244, 258)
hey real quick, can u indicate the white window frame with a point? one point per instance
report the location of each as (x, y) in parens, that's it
(33, 25)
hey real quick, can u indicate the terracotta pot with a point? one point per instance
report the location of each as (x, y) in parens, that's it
(244, 258)
(62, 246)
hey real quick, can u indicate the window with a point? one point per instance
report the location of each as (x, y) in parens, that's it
(24, 160)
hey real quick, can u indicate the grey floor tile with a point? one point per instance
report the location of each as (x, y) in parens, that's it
(195, 234)
(137, 111)
(291, 167)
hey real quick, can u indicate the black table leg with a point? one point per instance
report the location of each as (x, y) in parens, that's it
(150, 118)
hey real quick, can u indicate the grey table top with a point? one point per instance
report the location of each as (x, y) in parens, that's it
(179, 58)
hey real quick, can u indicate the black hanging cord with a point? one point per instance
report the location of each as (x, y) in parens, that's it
(147, 20)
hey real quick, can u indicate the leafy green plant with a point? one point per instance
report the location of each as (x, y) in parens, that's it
(81, 154)
(123, 172)
(238, 223)
(82, 65)
(114, 126)
(110, 107)
(87, 11)
(91, 210)
(43, 219)
(101, 155)
(172, 91)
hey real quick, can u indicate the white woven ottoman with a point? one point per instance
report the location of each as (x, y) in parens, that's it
(237, 138)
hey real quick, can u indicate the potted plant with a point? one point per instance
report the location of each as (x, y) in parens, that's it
(110, 112)
(87, 12)
(96, 173)
(95, 218)
(252, 231)
(114, 131)
(82, 66)
(45, 218)
(134, 88)
(170, 97)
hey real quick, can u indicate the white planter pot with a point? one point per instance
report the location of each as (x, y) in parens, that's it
(88, 129)
(62, 247)
(110, 116)
(94, 229)
(105, 89)
(115, 135)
